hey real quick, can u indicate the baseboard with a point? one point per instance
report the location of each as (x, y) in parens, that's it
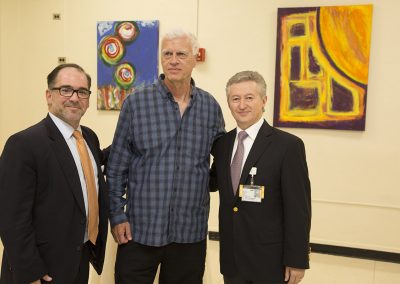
(341, 251)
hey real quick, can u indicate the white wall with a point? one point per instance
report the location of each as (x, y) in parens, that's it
(356, 196)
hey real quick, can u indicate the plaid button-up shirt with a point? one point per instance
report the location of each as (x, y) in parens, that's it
(160, 160)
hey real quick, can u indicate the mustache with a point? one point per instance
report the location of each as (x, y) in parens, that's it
(72, 104)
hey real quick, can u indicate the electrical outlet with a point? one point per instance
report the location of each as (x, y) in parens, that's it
(62, 60)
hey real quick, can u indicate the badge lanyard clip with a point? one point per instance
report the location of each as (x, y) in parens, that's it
(253, 172)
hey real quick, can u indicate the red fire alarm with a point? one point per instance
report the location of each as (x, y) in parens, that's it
(201, 56)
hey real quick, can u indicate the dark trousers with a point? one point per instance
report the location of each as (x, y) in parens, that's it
(237, 280)
(180, 263)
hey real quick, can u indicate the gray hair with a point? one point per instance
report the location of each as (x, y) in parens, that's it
(177, 33)
(245, 76)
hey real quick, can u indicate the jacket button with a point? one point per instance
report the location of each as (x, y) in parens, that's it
(235, 209)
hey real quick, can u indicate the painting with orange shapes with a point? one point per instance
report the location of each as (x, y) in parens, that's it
(322, 61)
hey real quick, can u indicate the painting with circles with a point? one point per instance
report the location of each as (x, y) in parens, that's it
(127, 58)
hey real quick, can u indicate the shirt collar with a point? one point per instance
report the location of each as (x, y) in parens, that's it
(65, 129)
(252, 131)
(168, 93)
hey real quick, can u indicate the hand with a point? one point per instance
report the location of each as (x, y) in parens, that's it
(46, 278)
(294, 275)
(122, 233)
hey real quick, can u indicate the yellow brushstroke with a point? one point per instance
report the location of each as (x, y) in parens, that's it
(346, 34)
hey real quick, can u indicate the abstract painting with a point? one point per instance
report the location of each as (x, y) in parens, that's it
(322, 61)
(127, 59)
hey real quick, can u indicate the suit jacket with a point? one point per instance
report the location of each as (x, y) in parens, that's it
(257, 240)
(42, 211)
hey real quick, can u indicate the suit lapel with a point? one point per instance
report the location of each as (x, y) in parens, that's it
(91, 145)
(229, 150)
(260, 144)
(66, 161)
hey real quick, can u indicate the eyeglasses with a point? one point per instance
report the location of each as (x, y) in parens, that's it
(167, 54)
(69, 92)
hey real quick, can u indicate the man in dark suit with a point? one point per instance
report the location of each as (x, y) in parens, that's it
(265, 197)
(48, 188)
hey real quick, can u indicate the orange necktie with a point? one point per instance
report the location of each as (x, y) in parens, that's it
(93, 206)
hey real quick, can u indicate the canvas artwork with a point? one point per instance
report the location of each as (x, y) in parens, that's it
(322, 60)
(127, 58)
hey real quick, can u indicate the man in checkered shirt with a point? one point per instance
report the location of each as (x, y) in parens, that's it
(158, 172)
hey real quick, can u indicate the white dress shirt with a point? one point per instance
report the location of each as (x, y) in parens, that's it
(252, 132)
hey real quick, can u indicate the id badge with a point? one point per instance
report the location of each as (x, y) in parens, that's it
(251, 193)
